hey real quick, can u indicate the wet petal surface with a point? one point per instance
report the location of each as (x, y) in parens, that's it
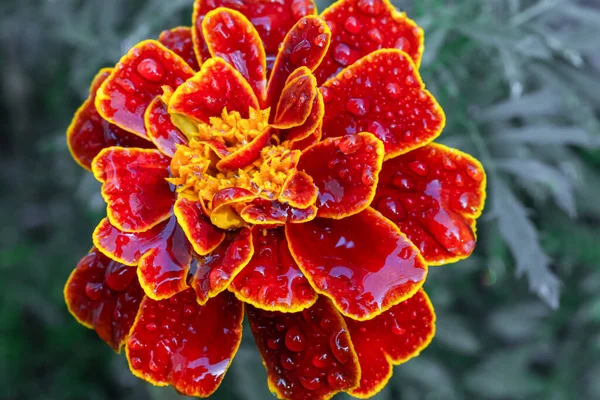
(299, 190)
(216, 271)
(383, 94)
(308, 355)
(180, 343)
(346, 172)
(434, 194)
(160, 129)
(359, 27)
(271, 19)
(162, 254)
(391, 338)
(363, 262)
(179, 41)
(230, 36)
(134, 187)
(272, 280)
(305, 45)
(296, 102)
(104, 295)
(136, 80)
(201, 233)
(217, 86)
(89, 133)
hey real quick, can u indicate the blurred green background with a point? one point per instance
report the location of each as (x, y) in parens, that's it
(520, 83)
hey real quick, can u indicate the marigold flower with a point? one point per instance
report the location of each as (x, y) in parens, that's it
(276, 158)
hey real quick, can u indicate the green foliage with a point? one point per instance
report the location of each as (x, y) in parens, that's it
(519, 81)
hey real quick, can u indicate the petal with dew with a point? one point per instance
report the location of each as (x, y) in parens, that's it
(104, 295)
(162, 254)
(434, 194)
(179, 40)
(180, 343)
(296, 102)
(215, 272)
(232, 37)
(271, 19)
(136, 80)
(272, 280)
(383, 94)
(391, 338)
(360, 27)
(89, 133)
(363, 262)
(202, 234)
(161, 130)
(346, 172)
(134, 187)
(309, 354)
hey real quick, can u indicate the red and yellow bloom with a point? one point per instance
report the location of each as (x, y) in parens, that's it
(277, 158)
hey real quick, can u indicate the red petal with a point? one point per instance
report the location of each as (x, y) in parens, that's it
(312, 138)
(179, 41)
(179, 343)
(383, 94)
(104, 295)
(359, 27)
(267, 213)
(296, 102)
(434, 194)
(134, 187)
(346, 172)
(136, 80)
(203, 235)
(247, 154)
(89, 132)
(162, 254)
(299, 190)
(230, 36)
(272, 280)
(392, 338)
(363, 262)
(217, 86)
(312, 123)
(217, 270)
(304, 45)
(160, 129)
(308, 355)
(271, 19)
(223, 212)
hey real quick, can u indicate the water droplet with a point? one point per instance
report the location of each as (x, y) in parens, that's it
(393, 90)
(339, 347)
(344, 55)
(467, 200)
(422, 95)
(418, 167)
(273, 343)
(280, 327)
(350, 144)
(370, 7)
(325, 323)
(459, 180)
(406, 253)
(151, 326)
(93, 291)
(397, 329)
(301, 8)
(134, 344)
(295, 340)
(320, 361)
(402, 182)
(375, 35)
(448, 164)
(403, 44)
(352, 25)
(151, 70)
(409, 80)
(320, 40)
(367, 176)
(327, 94)
(337, 380)
(188, 310)
(310, 383)
(136, 362)
(474, 173)
(391, 208)
(288, 362)
(217, 277)
(358, 107)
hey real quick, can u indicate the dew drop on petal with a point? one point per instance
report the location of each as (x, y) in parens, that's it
(93, 290)
(350, 144)
(391, 209)
(393, 90)
(352, 25)
(310, 383)
(418, 167)
(358, 107)
(151, 70)
(370, 7)
(295, 340)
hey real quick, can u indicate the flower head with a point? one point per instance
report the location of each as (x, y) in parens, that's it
(276, 158)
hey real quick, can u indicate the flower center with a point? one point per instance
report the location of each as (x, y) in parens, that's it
(232, 152)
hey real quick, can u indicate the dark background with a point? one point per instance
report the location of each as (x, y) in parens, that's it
(520, 84)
